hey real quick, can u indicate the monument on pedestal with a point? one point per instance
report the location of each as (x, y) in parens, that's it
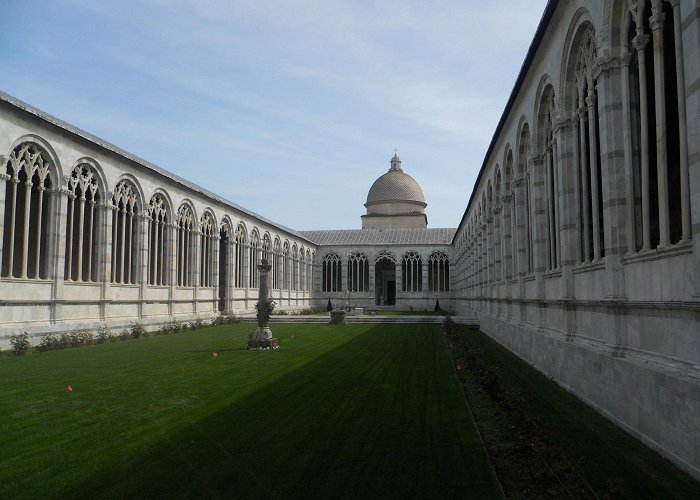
(262, 337)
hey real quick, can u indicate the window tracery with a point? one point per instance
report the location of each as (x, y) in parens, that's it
(82, 249)
(412, 272)
(331, 273)
(159, 241)
(438, 272)
(207, 240)
(27, 213)
(358, 272)
(124, 233)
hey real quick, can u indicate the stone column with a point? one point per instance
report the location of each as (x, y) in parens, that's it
(58, 244)
(657, 28)
(682, 122)
(4, 178)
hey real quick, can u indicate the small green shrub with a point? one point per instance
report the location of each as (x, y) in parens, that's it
(196, 324)
(20, 344)
(171, 327)
(125, 334)
(138, 330)
(49, 343)
(102, 334)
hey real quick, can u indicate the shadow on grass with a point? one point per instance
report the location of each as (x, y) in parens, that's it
(378, 417)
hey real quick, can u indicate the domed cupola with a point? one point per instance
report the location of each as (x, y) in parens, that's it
(395, 200)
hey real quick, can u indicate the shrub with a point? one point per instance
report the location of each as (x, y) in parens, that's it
(281, 312)
(71, 339)
(437, 306)
(138, 330)
(20, 344)
(196, 324)
(329, 306)
(102, 334)
(125, 334)
(231, 319)
(49, 343)
(171, 327)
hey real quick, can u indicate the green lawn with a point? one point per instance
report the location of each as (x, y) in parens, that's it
(355, 411)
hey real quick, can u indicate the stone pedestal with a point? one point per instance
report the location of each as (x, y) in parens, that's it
(262, 338)
(338, 317)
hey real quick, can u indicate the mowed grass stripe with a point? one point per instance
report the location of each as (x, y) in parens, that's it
(347, 411)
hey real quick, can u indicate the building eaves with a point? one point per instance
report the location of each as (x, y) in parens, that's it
(101, 143)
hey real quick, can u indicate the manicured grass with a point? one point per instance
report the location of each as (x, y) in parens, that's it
(545, 442)
(354, 411)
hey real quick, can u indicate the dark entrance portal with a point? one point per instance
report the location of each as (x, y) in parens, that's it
(385, 282)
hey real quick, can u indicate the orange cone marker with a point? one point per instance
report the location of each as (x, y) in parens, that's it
(214, 354)
(69, 389)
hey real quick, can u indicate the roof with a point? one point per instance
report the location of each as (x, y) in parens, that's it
(354, 237)
(17, 103)
(395, 185)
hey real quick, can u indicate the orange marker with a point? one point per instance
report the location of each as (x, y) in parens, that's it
(69, 389)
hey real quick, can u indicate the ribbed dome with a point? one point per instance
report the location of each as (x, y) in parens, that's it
(395, 185)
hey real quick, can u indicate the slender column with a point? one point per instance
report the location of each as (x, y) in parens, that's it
(682, 122)
(657, 27)
(4, 178)
(593, 148)
(577, 177)
(640, 41)
(549, 198)
(90, 250)
(161, 250)
(584, 183)
(25, 236)
(122, 242)
(13, 223)
(114, 209)
(555, 205)
(130, 249)
(37, 261)
(71, 216)
(627, 135)
(81, 220)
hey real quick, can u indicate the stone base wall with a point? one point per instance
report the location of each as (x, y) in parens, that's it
(659, 403)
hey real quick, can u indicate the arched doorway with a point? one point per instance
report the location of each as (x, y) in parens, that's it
(385, 280)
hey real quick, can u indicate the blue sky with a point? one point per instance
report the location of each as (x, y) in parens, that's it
(289, 108)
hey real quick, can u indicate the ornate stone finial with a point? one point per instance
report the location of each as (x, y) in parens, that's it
(396, 162)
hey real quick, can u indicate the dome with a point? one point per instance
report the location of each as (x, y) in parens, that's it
(395, 185)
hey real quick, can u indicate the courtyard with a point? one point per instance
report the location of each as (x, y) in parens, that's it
(348, 411)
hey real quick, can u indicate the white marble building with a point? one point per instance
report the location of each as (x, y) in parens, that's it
(579, 248)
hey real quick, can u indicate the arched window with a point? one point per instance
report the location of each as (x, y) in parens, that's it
(526, 245)
(589, 165)
(26, 221)
(82, 247)
(295, 267)
(240, 254)
(309, 270)
(276, 267)
(124, 233)
(158, 241)
(302, 269)
(411, 272)
(331, 272)
(548, 146)
(286, 265)
(224, 264)
(254, 259)
(358, 272)
(438, 272)
(206, 260)
(185, 245)
(658, 195)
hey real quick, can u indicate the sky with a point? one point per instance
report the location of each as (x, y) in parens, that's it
(289, 108)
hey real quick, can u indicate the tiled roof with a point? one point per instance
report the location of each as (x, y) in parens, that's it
(350, 237)
(395, 185)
